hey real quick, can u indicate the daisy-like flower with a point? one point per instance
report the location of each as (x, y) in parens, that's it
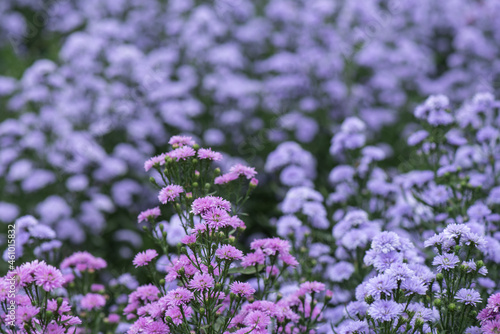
(48, 277)
(92, 301)
(258, 320)
(156, 160)
(176, 315)
(201, 282)
(178, 297)
(216, 218)
(445, 261)
(189, 239)
(144, 258)
(468, 296)
(491, 327)
(170, 193)
(242, 170)
(228, 252)
(226, 178)
(310, 287)
(179, 141)
(83, 261)
(242, 289)
(208, 154)
(203, 204)
(381, 284)
(253, 259)
(149, 214)
(385, 310)
(182, 153)
(26, 313)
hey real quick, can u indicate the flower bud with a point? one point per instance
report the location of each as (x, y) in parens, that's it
(211, 269)
(59, 301)
(196, 146)
(162, 282)
(168, 319)
(419, 323)
(189, 195)
(181, 271)
(194, 161)
(195, 184)
(232, 240)
(328, 295)
(279, 296)
(162, 227)
(153, 181)
(217, 171)
(452, 307)
(253, 183)
(164, 234)
(437, 302)
(480, 264)
(202, 310)
(49, 314)
(218, 286)
(207, 186)
(439, 277)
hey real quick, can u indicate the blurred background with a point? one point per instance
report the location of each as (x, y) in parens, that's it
(90, 89)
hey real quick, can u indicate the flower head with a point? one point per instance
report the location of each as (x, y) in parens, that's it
(170, 193)
(144, 258)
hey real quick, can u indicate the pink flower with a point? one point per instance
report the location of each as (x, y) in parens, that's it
(310, 287)
(178, 297)
(149, 214)
(189, 239)
(202, 204)
(245, 171)
(92, 301)
(170, 193)
(97, 287)
(253, 259)
(242, 289)
(271, 246)
(491, 326)
(226, 178)
(207, 153)
(254, 182)
(288, 259)
(176, 314)
(83, 261)
(229, 252)
(216, 218)
(257, 319)
(24, 314)
(114, 318)
(182, 153)
(48, 277)
(144, 258)
(179, 141)
(54, 328)
(201, 282)
(157, 160)
(236, 222)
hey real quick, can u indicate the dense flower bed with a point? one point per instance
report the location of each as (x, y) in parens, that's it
(373, 126)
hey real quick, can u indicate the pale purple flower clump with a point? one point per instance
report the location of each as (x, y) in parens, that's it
(170, 193)
(144, 258)
(201, 282)
(385, 310)
(92, 301)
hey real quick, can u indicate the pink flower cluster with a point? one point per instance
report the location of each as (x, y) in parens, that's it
(256, 317)
(235, 172)
(39, 273)
(264, 248)
(83, 261)
(490, 315)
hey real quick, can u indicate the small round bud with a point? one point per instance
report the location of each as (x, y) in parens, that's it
(480, 264)
(328, 295)
(439, 277)
(162, 227)
(144, 227)
(189, 195)
(168, 319)
(437, 302)
(452, 307)
(164, 234)
(232, 240)
(49, 314)
(196, 146)
(181, 271)
(202, 310)
(59, 301)
(162, 281)
(217, 171)
(253, 183)
(195, 184)
(207, 186)
(194, 161)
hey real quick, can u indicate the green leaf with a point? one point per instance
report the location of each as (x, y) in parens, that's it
(246, 271)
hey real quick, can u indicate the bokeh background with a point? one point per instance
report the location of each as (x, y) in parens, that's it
(90, 89)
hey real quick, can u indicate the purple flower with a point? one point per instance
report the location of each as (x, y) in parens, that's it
(385, 310)
(170, 193)
(445, 261)
(144, 258)
(468, 296)
(417, 137)
(381, 284)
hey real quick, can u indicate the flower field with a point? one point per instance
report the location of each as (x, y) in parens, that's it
(250, 167)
